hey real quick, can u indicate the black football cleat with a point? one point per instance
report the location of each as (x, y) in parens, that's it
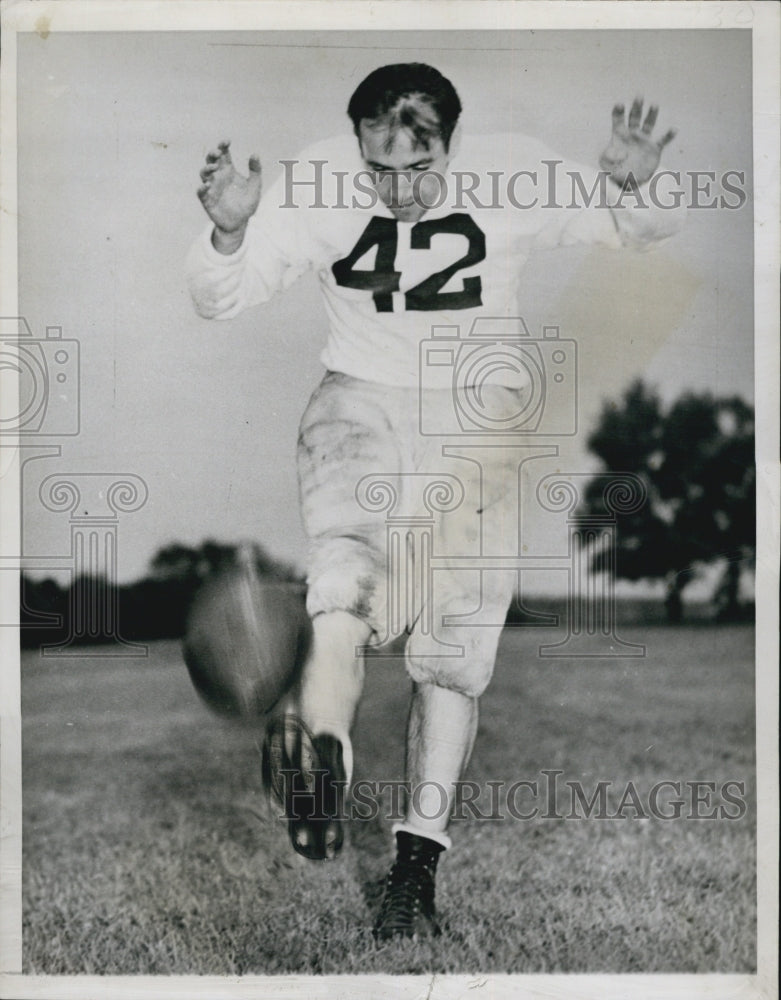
(407, 908)
(306, 776)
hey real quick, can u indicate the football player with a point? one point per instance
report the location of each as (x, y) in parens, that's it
(399, 220)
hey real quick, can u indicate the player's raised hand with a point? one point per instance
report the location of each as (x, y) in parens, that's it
(633, 155)
(229, 198)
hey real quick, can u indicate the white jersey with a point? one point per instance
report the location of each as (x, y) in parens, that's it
(390, 287)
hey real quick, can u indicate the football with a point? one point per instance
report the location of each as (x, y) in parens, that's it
(246, 641)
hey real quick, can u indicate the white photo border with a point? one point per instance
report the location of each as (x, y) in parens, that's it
(236, 15)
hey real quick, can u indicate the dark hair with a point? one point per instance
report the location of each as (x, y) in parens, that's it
(409, 96)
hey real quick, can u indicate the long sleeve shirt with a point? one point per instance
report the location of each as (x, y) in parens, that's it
(391, 288)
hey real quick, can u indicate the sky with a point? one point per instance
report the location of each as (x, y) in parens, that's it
(113, 129)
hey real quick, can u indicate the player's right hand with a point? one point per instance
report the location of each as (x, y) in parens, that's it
(229, 198)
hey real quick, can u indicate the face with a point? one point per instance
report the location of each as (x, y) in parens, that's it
(401, 184)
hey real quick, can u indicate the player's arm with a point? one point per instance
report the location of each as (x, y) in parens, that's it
(632, 155)
(241, 260)
(229, 199)
(629, 211)
(631, 159)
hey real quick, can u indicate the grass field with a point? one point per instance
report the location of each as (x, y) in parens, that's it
(148, 847)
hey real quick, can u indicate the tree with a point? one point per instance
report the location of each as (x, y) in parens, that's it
(183, 564)
(155, 607)
(697, 462)
(178, 563)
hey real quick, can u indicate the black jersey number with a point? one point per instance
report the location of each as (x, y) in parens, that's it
(425, 296)
(383, 280)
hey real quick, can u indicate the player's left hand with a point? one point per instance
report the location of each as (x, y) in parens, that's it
(632, 155)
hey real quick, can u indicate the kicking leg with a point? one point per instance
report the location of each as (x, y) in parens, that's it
(345, 435)
(332, 680)
(307, 753)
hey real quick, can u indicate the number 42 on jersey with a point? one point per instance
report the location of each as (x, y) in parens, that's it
(427, 295)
